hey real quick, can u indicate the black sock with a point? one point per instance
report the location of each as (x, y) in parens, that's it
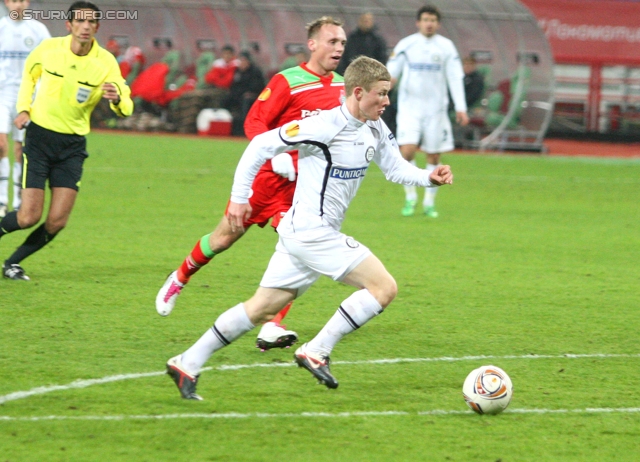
(9, 223)
(36, 240)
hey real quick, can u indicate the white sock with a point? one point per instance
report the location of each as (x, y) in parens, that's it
(410, 192)
(229, 326)
(17, 185)
(4, 180)
(353, 313)
(430, 193)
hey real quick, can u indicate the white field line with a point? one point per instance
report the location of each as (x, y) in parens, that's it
(116, 378)
(312, 415)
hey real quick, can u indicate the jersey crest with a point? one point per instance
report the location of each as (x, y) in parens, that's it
(292, 129)
(266, 93)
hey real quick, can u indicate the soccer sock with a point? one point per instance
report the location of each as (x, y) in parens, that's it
(4, 180)
(281, 315)
(354, 312)
(199, 256)
(36, 240)
(410, 193)
(17, 185)
(229, 326)
(430, 193)
(9, 223)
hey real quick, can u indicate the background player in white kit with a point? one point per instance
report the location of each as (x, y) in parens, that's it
(17, 38)
(426, 63)
(335, 150)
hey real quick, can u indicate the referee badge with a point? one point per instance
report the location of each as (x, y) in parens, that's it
(83, 94)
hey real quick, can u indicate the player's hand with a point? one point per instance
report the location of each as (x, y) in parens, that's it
(22, 120)
(110, 92)
(441, 175)
(282, 164)
(237, 215)
(462, 118)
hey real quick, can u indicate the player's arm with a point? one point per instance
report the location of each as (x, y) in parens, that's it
(455, 80)
(267, 109)
(116, 90)
(398, 170)
(30, 76)
(396, 63)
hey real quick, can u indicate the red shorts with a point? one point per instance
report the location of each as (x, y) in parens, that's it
(271, 199)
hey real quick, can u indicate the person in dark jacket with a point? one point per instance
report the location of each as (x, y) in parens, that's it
(473, 81)
(363, 41)
(248, 82)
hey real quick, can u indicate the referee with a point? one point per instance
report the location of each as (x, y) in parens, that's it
(74, 74)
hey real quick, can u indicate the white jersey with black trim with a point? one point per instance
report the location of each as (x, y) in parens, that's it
(335, 150)
(17, 39)
(427, 66)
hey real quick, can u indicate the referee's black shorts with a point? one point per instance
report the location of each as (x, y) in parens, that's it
(53, 156)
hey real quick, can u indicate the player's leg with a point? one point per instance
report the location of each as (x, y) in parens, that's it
(439, 138)
(377, 290)
(60, 159)
(409, 133)
(230, 325)
(33, 198)
(329, 252)
(222, 238)
(17, 172)
(4, 167)
(62, 202)
(24, 218)
(274, 334)
(283, 270)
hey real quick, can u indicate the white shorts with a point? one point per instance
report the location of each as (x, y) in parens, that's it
(299, 261)
(7, 115)
(432, 133)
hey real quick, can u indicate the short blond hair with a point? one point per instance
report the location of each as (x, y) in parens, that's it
(364, 72)
(314, 26)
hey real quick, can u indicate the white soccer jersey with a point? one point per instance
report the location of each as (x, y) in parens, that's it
(426, 65)
(335, 150)
(17, 39)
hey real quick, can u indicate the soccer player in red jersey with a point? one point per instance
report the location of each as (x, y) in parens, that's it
(292, 94)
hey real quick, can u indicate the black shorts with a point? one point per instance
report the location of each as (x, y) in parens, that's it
(53, 156)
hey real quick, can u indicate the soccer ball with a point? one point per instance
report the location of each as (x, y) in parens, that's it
(487, 390)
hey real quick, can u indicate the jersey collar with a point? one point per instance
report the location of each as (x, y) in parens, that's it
(94, 47)
(329, 77)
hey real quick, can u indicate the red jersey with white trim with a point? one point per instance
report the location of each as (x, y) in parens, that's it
(293, 94)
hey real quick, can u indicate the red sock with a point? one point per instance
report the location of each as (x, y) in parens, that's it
(280, 316)
(194, 261)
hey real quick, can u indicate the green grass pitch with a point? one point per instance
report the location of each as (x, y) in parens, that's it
(533, 263)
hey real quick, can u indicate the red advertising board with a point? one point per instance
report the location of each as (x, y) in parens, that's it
(590, 31)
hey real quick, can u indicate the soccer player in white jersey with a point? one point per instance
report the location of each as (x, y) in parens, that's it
(17, 38)
(425, 64)
(335, 148)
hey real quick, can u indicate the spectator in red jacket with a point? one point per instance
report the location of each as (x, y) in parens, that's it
(223, 69)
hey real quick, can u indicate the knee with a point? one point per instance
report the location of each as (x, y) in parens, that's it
(386, 291)
(54, 226)
(219, 242)
(28, 218)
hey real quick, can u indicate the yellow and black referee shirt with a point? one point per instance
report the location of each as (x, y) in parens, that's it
(70, 85)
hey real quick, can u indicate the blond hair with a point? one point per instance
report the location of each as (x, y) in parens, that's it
(314, 26)
(364, 72)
